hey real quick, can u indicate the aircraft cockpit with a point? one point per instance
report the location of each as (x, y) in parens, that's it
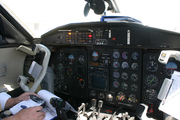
(112, 69)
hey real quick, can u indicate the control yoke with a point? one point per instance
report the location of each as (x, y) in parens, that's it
(166, 54)
(23, 80)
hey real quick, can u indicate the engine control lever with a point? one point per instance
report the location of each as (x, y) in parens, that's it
(100, 104)
(93, 102)
(111, 118)
(93, 107)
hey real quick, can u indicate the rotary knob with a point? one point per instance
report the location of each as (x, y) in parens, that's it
(109, 97)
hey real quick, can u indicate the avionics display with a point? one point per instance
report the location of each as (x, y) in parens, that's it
(98, 82)
(98, 76)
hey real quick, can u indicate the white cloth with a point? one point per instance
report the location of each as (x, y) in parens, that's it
(3, 99)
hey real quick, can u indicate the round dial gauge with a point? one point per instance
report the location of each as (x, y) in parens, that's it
(134, 55)
(116, 74)
(150, 95)
(116, 54)
(81, 82)
(116, 84)
(124, 76)
(124, 86)
(134, 66)
(151, 81)
(152, 66)
(60, 67)
(124, 55)
(132, 98)
(120, 96)
(81, 59)
(60, 56)
(71, 59)
(134, 87)
(69, 72)
(125, 65)
(116, 64)
(134, 77)
(95, 56)
(60, 78)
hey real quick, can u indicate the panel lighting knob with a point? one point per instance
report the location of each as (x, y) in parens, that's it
(109, 97)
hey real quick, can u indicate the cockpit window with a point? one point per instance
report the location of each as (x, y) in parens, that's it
(40, 16)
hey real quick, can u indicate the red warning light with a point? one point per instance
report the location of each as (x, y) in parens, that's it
(90, 36)
(113, 38)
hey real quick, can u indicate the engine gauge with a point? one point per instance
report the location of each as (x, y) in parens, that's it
(124, 55)
(150, 95)
(116, 74)
(95, 56)
(125, 65)
(132, 98)
(60, 67)
(116, 84)
(152, 66)
(116, 64)
(134, 66)
(116, 54)
(134, 55)
(124, 86)
(71, 59)
(124, 76)
(151, 80)
(134, 77)
(120, 96)
(134, 87)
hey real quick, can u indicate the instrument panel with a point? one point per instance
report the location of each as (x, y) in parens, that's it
(70, 67)
(116, 63)
(106, 73)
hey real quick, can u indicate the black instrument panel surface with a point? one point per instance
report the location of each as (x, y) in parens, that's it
(114, 62)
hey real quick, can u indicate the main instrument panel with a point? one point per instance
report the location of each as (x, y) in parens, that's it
(113, 62)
